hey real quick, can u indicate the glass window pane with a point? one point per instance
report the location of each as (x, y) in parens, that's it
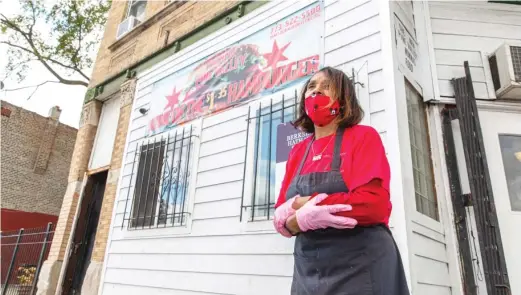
(411, 134)
(417, 180)
(137, 9)
(419, 202)
(511, 154)
(265, 156)
(418, 137)
(420, 159)
(425, 196)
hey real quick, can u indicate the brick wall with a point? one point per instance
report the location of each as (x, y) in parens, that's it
(82, 151)
(114, 56)
(109, 197)
(36, 155)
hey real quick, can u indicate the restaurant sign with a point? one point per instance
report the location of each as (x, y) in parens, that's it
(274, 58)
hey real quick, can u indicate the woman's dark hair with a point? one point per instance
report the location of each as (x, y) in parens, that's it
(342, 88)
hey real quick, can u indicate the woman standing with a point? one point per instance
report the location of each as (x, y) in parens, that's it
(335, 198)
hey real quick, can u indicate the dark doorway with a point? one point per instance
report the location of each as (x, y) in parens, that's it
(84, 233)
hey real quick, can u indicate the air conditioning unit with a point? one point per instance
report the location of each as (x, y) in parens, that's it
(505, 67)
(127, 25)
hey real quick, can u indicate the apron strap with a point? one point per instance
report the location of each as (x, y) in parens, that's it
(335, 165)
(304, 158)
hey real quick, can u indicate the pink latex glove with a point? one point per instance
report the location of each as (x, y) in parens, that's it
(282, 213)
(312, 217)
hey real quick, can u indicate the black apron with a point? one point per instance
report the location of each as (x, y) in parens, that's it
(359, 261)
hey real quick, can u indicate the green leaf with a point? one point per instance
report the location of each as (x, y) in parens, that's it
(63, 34)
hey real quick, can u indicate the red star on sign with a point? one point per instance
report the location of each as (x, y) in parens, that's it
(173, 99)
(276, 55)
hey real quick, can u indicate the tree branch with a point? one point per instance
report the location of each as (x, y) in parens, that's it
(75, 8)
(42, 60)
(12, 25)
(53, 72)
(31, 86)
(33, 9)
(68, 67)
(15, 66)
(35, 87)
(18, 46)
(23, 28)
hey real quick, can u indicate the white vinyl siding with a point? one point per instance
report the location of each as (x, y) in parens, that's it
(461, 31)
(470, 31)
(430, 261)
(217, 253)
(353, 41)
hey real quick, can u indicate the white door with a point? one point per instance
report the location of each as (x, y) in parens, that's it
(502, 140)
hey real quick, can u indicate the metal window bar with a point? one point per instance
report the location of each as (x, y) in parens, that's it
(140, 185)
(146, 183)
(178, 170)
(256, 162)
(245, 160)
(255, 195)
(159, 211)
(150, 181)
(170, 178)
(268, 183)
(260, 210)
(25, 250)
(186, 174)
(156, 180)
(128, 188)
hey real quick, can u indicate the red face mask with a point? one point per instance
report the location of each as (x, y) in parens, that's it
(319, 110)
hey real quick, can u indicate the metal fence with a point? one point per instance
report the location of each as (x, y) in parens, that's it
(22, 255)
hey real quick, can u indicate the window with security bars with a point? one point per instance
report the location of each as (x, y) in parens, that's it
(259, 185)
(160, 181)
(426, 202)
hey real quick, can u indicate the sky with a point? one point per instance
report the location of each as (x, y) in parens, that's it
(68, 98)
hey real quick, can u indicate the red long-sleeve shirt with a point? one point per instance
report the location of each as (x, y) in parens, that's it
(364, 168)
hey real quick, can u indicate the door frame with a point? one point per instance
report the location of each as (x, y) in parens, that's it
(65, 262)
(505, 124)
(86, 198)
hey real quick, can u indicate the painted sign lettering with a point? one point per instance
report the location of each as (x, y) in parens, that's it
(272, 59)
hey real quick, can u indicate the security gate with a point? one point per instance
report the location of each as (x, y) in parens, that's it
(481, 196)
(22, 255)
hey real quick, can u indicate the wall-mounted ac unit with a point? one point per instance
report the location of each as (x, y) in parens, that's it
(126, 26)
(505, 66)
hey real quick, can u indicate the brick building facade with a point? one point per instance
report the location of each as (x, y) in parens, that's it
(35, 159)
(165, 28)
